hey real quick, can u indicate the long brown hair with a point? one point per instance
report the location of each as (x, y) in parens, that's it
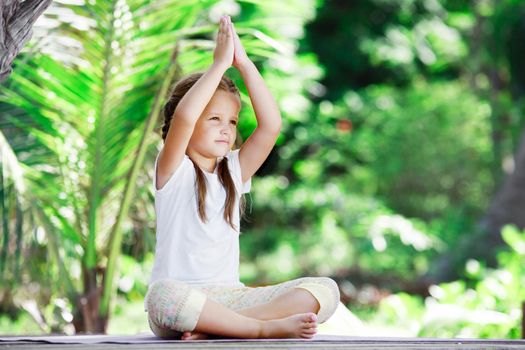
(178, 91)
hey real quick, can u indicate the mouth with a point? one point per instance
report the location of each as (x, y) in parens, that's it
(225, 142)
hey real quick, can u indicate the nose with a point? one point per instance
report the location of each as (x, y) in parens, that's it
(225, 129)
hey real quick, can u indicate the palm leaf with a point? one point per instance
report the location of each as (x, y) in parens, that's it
(90, 98)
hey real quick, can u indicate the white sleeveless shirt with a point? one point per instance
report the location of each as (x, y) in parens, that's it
(187, 248)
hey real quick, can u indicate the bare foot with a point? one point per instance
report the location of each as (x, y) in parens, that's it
(195, 336)
(296, 326)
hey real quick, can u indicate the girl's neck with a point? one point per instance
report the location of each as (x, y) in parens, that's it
(206, 164)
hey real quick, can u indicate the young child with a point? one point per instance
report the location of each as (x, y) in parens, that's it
(194, 291)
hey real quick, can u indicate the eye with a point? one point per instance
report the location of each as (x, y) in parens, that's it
(234, 122)
(214, 118)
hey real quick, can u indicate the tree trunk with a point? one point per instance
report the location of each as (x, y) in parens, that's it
(16, 20)
(508, 205)
(86, 318)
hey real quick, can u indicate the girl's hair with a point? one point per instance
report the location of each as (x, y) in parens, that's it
(178, 91)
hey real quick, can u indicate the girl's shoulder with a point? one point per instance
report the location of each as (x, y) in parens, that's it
(174, 178)
(233, 161)
(233, 155)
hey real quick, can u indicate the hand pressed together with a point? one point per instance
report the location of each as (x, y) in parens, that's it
(224, 48)
(229, 50)
(240, 57)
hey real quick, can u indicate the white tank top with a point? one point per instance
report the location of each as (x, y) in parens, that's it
(188, 249)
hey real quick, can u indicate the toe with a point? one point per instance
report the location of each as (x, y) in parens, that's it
(308, 325)
(307, 318)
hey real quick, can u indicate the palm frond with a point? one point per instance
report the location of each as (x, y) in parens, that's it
(88, 98)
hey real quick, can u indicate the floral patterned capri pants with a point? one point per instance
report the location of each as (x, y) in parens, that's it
(174, 306)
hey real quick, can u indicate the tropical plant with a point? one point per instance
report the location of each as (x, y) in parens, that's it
(78, 117)
(485, 305)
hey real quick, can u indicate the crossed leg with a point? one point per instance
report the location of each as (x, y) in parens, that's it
(290, 303)
(292, 313)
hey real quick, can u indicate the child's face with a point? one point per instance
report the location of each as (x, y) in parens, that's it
(217, 123)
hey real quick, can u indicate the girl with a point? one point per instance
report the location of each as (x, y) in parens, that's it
(194, 289)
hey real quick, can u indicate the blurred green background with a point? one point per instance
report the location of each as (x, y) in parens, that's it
(399, 171)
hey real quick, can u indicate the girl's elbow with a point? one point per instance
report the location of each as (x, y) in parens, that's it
(278, 131)
(270, 125)
(274, 128)
(278, 126)
(185, 117)
(277, 123)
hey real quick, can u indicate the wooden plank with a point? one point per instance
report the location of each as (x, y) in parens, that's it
(367, 344)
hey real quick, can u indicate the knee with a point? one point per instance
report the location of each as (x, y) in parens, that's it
(163, 299)
(173, 305)
(326, 291)
(163, 292)
(334, 290)
(332, 285)
(326, 282)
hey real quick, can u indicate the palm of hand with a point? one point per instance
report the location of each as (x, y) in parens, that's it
(239, 57)
(224, 51)
(229, 48)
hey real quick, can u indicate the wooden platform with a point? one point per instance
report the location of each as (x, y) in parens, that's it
(319, 342)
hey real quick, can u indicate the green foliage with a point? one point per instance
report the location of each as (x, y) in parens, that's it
(324, 230)
(424, 149)
(74, 117)
(128, 317)
(404, 152)
(133, 281)
(486, 305)
(388, 42)
(24, 324)
(397, 118)
(428, 146)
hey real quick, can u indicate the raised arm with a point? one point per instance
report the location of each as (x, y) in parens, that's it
(193, 104)
(258, 146)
